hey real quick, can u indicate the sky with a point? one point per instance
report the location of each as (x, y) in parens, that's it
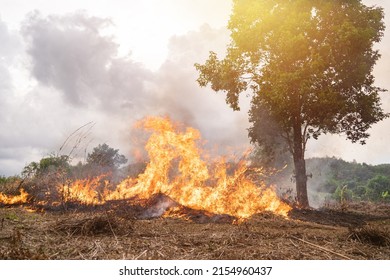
(79, 73)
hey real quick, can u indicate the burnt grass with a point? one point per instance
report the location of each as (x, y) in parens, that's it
(118, 231)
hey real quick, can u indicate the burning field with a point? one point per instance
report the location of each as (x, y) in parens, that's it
(183, 206)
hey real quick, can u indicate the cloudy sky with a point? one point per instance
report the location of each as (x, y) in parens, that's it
(107, 63)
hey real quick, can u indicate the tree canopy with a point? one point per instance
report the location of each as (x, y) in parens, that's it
(51, 164)
(105, 156)
(309, 66)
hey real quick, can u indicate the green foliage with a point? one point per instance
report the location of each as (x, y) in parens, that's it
(102, 160)
(270, 157)
(360, 192)
(12, 216)
(354, 181)
(47, 165)
(45, 180)
(105, 156)
(308, 64)
(378, 188)
(313, 67)
(271, 150)
(42, 179)
(10, 185)
(343, 194)
(330, 186)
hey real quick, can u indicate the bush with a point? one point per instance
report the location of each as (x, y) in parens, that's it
(343, 194)
(43, 178)
(378, 188)
(10, 185)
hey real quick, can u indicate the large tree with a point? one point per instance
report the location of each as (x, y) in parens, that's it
(309, 65)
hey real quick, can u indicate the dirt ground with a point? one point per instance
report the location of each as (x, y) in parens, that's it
(102, 234)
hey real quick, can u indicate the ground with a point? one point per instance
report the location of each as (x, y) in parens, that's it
(106, 234)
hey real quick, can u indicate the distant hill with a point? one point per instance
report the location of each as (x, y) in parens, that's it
(337, 179)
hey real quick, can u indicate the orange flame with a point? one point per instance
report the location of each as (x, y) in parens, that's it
(14, 199)
(177, 170)
(86, 191)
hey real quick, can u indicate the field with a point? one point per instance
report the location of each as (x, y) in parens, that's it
(97, 233)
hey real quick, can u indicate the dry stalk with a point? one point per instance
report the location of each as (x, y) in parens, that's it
(109, 223)
(322, 248)
(140, 255)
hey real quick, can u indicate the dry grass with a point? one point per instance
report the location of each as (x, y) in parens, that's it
(106, 235)
(93, 224)
(370, 235)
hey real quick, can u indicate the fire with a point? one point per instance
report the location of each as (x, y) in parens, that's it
(86, 191)
(14, 199)
(177, 170)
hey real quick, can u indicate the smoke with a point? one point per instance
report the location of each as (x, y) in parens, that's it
(318, 171)
(71, 54)
(157, 206)
(179, 95)
(74, 75)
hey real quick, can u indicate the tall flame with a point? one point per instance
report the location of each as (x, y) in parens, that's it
(86, 191)
(177, 170)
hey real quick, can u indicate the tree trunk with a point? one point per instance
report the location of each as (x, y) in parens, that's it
(301, 182)
(300, 168)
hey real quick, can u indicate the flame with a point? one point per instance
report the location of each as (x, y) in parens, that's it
(86, 191)
(14, 199)
(177, 170)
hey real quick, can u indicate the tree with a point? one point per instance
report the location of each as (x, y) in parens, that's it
(105, 158)
(377, 188)
(53, 164)
(309, 65)
(42, 179)
(270, 150)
